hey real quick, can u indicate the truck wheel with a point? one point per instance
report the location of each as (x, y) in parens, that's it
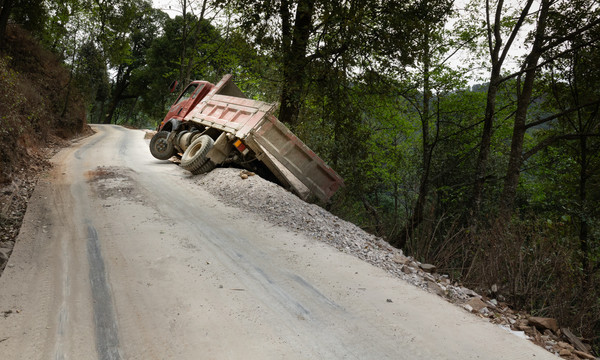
(160, 148)
(194, 157)
(208, 166)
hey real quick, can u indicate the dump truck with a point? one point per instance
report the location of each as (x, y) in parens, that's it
(212, 125)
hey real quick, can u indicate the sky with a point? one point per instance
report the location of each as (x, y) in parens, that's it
(172, 7)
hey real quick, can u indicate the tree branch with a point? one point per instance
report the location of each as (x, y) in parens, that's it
(555, 116)
(523, 70)
(570, 36)
(515, 30)
(552, 139)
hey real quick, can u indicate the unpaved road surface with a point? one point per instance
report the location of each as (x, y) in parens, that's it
(122, 256)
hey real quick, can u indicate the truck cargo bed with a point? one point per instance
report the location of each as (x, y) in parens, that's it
(252, 121)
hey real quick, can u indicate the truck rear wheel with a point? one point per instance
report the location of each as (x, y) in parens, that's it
(160, 148)
(194, 158)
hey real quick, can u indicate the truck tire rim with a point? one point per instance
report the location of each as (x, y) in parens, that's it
(195, 148)
(161, 145)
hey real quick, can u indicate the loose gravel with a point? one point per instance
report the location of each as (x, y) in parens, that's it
(280, 207)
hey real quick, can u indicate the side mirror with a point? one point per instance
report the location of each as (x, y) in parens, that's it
(173, 86)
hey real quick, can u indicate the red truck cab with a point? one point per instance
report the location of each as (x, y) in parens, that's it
(187, 100)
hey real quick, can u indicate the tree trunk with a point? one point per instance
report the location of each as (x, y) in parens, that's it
(516, 147)
(182, 54)
(497, 57)
(294, 63)
(583, 225)
(495, 44)
(195, 37)
(486, 141)
(417, 215)
(120, 87)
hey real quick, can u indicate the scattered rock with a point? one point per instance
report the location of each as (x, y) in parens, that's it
(544, 323)
(564, 352)
(4, 254)
(436, 288)
(565, 345)
(282, 208)
(477, 304)
(428, 268)
(244, 174)
(400, 259)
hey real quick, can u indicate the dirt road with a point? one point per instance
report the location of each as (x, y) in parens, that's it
(122, 256)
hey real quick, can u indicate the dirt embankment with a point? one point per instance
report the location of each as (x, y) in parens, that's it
(40, 108)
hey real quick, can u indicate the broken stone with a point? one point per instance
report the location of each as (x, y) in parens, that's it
(477, 304)
(428, 268)
(544, 323)
(408, 270)
(468, 292)
(4, 254)
(283, 209)
(436, 288)
(400, 259)
(564, 352)
(525, 328)
(565, 345)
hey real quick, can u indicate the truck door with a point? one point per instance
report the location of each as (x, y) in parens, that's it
(183, 104)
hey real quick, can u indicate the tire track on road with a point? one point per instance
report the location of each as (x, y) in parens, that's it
(107, 336)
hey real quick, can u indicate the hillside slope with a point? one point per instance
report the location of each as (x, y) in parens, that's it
(40, 108)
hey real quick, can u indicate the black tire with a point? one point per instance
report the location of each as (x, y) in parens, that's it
(160, 148)
(194, 157)
(208, 166)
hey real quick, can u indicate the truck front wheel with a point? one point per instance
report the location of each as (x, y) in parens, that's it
(160, 148)
(194, 158)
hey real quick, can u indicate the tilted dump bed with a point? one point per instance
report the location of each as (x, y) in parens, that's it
(289, 159)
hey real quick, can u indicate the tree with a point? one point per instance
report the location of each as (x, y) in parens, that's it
(308, 32)
(498, 51)
(140, 33)
(543, 44)
(572, 82)
(431, 17)
(31, 14)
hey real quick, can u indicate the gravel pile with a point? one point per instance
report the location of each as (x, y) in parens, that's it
(280, 207)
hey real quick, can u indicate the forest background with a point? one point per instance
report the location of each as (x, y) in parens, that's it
(452, 147)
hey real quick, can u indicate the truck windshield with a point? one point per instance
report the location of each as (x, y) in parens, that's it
(187, 93)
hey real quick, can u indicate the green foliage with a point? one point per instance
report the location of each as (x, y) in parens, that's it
(31, 14)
